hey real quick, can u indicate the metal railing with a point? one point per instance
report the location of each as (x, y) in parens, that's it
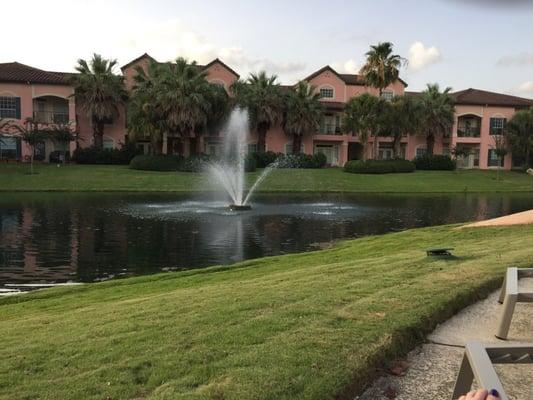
(51, 117)
(330, 129)
(468, 131)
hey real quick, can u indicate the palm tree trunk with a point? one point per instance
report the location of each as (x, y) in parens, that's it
(430, 143)
(261, 139)
(365, 145)
(98, 135)
(397, 146)
(375, 148)
(296, 144)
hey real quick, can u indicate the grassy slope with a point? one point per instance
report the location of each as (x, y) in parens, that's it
(304, 326)
(120, 178)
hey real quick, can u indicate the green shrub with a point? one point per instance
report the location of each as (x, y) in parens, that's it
(92, 155)
(196, 163)
(301, 160)
(435, 163)
(263, 160)
(379, 166)
(155, 163)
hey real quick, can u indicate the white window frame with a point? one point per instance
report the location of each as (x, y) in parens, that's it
(327, 87)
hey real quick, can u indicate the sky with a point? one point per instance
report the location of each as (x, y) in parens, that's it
(485, 44)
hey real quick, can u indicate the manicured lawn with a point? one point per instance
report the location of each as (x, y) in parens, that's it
(305, 326)
(120, 178)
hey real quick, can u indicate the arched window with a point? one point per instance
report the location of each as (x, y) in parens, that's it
(387, 95)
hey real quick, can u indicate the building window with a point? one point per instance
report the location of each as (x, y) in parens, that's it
(387, 95)
(493, 159)
(252, 148)
(9, 148)
(10, 107)
(326, 93)
(446, 151)
(213, 148)
(108, 144)
(497, 125)
(288, 148)
(421, 151)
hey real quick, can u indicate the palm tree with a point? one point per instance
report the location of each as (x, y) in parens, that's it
(31, 134)
(145, 119)
(519, 131)
(438, 113)
(303, 112)
(382, 68)
(261, 95)
(402, 117)
(99, 92)
(175, 97)
(501, 149)
(362, 116)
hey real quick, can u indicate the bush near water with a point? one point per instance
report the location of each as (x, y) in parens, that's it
(435, 163)
(196, 163)
(299, 160)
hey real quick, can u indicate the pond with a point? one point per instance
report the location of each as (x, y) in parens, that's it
(60, 237)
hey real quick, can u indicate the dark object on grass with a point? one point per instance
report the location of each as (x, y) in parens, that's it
(440, 252)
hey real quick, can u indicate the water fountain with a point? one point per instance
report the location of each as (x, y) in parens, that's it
(229, 171)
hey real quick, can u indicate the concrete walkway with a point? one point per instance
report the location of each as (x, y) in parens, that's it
(432, 367)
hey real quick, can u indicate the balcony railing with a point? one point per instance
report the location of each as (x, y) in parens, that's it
(51, 117)
(468, 131)
(330, 129)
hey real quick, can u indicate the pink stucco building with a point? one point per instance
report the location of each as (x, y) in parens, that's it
(47, 97)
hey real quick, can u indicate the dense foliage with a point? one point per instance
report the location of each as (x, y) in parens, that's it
(435, 163)
(94, 155)
(519, 132)
(100, 93)
(301, 160)
(196, 163)
(379, 166)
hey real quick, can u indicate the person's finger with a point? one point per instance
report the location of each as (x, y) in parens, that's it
(493, 395)
(470, 395)
(463, 397)
(480, 394)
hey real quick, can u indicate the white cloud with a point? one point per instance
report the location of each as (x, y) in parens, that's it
(123, 38)
(524, 89)
(421, 56)
(349, 67)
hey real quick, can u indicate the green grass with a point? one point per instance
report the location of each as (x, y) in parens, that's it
(304, 326)
(119, 178)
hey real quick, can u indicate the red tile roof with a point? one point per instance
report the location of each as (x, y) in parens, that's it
(348, 79)
(484, 98)
(17, 72)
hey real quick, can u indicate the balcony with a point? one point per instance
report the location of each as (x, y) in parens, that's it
(51, 117)
(330, 129)
(468, 131)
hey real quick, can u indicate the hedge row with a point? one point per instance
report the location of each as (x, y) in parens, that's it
(379, 166)
(92, 155)
(435, 163)
(195, 163)
(198, 163)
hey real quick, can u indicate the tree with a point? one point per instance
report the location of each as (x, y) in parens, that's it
(519, 131)
(501, 149)
(261, 95)
(175, 97)
(362, 116)
(382, 67)
(302, 113)
(402, 116)
(99, 92)
(438, 113)
(31, 134)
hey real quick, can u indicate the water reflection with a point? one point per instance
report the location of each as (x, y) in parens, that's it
(88, 237)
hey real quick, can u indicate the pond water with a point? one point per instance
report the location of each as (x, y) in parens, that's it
(58, 237)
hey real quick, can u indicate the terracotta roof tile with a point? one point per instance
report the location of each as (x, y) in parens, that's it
(17, 72)
(483, 97)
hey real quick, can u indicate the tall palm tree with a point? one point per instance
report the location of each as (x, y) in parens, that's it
(402, 117)
(303, 112)
(100, 92)
(438, 111)
(261, 95)
(362, 116)
(145, 119)
(382, 67)
(519, 131)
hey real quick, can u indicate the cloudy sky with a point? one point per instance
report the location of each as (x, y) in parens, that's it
(487, 44)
